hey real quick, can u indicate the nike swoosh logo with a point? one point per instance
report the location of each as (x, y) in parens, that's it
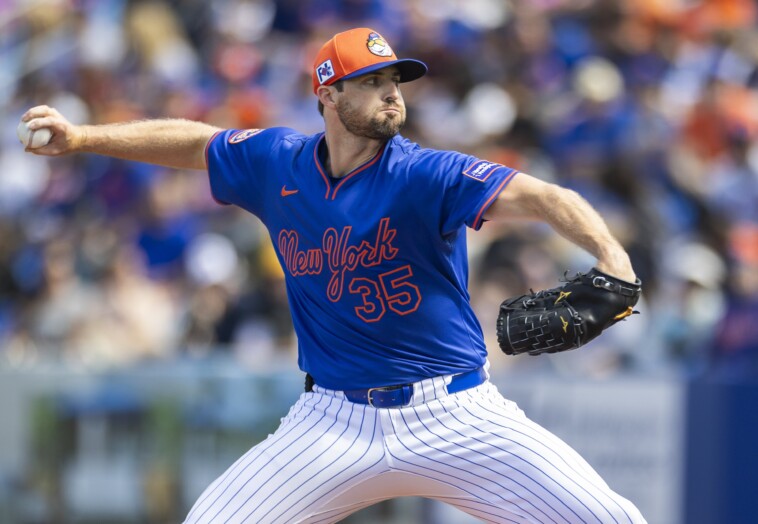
(288, 192)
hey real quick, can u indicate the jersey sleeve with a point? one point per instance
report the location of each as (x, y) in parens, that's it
(241, 163)
(467, 186)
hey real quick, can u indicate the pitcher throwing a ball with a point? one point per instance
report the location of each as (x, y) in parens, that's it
(369, 229)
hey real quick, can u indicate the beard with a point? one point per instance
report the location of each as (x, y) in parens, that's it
(381, 127)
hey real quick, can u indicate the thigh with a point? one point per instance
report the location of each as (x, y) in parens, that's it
(322, 445)
(506, 467)
(385, 485)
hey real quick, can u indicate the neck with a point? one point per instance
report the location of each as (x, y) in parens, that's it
(348, 151)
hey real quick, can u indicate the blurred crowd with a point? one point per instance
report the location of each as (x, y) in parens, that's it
(648, 108)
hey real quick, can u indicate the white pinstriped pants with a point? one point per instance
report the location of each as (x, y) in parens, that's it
(473, 449)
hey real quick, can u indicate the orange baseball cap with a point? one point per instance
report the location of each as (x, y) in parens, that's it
(357, 52)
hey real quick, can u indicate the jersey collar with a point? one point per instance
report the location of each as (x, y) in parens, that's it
(333, 185)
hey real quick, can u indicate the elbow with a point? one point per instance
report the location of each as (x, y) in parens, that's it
(543, 203)
(532, 199)
(559, 195)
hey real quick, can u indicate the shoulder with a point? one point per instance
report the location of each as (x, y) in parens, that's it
(269, 134)
(403, 150)
(401, 146)
(453, 169)
(437, 161)
(266, 142)
(439, 164)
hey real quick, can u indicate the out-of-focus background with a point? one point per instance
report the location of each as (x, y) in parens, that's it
(145, 340)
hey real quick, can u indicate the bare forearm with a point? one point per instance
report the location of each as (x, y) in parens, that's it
(173, 143)
(573, 217)
(569, 215)
(169, 142)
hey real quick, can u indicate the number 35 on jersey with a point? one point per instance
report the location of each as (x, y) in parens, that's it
(392, 290)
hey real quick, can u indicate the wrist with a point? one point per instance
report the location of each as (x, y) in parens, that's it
(80, 138)
(617, 265)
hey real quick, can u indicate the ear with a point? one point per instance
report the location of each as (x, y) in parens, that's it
(326, 96)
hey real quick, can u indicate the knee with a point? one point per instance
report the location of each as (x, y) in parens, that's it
(623, 512)
(615, 510)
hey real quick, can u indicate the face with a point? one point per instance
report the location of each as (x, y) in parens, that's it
(371, 105)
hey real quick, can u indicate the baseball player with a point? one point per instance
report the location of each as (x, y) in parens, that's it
(369, 229)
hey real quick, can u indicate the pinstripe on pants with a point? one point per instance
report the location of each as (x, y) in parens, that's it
(473, 449)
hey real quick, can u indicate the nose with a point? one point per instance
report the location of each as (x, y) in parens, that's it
(393, 92)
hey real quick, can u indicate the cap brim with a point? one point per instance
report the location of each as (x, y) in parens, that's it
(409, 68)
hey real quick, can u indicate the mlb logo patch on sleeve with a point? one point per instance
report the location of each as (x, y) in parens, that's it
(481, 170)
(243, 135)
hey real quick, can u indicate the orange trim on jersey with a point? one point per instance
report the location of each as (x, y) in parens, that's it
(478, 219)
(318, 166)
(208, 145)
(411, 303)
(359, 169)
(369, 310)
(207, 166)
(327, 178)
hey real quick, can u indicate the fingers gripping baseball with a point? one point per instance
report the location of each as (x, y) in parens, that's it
(66, 137)
(565, 317)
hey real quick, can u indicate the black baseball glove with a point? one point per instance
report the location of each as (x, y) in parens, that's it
(565, 317)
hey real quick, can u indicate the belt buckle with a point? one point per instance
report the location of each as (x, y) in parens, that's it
(369, 391)
(368, 396)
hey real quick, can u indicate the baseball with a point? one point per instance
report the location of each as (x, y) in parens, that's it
(33, 139)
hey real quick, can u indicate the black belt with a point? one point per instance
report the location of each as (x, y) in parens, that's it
(400, 395)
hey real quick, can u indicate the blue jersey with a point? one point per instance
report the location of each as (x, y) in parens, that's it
(375, 262)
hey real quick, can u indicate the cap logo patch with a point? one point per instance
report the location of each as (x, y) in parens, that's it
(377, 45)
(325, 71)
(243, 135)
(481, 170)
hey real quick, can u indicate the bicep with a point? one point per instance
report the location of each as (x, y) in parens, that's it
(523, 198)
